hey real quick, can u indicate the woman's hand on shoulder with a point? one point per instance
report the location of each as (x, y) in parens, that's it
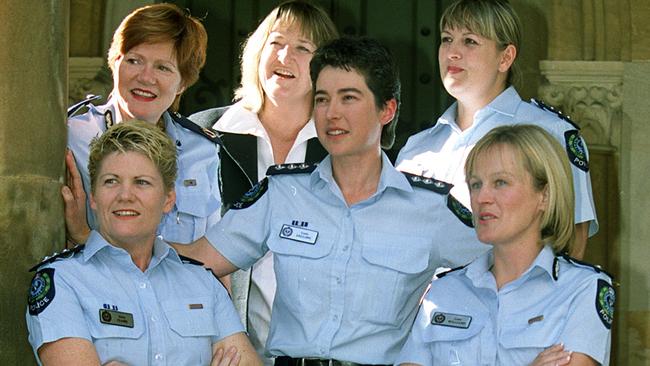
(74, 198)
(228, 358)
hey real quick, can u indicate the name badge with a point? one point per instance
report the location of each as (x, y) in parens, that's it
(114, 317)
(299, 234)
(451, 320)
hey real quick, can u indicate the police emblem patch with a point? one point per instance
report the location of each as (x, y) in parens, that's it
(576, 150)
(605, 299)
(250, 197)
(41, 291)
(462, 212)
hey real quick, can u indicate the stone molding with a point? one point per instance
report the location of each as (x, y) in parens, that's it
(590, 93)
(88, 75)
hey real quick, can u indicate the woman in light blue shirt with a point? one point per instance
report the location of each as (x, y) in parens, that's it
(524, 302)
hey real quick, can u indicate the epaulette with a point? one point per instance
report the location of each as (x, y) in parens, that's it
(65, 253)
(296, 168)
(206, 132)
(444, 273)
(431, 184)
(596, 268)
(73, 109)
(460, 211)
(541, 105)
(188, 260)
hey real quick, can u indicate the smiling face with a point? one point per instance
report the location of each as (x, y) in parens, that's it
(129, 199)
(472, 67)
(284, 64)
(147, 81)
(347, 119)
(507, 208)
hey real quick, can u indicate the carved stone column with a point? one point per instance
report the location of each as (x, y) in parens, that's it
(590, 93)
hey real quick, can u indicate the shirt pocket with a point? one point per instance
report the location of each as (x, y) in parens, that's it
(394, 273)
(302, 273)
(197, 204)
(525, 339)
(114, 342)
(193, 328)
(455, 346)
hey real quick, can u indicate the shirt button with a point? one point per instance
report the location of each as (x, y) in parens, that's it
(338, 280)
(154, 318)
(143, 285)
(158, 356)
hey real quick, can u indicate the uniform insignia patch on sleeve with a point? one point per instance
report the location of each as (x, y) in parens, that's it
(41, 291)
(462, 212)
(605, 299)
(250, 197)
(576, 150)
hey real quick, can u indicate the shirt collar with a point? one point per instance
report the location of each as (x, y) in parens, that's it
(505, 103)
(479, 269)
(161, 250)
(389, 176)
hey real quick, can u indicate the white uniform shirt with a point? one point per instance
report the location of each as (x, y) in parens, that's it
(440, 151)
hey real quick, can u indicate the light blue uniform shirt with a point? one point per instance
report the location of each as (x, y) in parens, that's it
(349, 278)
(178, 310)
(198, 198)
(465, 320)
(440, 151)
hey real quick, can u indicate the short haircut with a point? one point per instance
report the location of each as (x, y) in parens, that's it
(164, 23)
(492, 19)
(542, 156)
(313, 22)
(374, 62)
(135, 136)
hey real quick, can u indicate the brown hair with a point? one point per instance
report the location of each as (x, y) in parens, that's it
(164, 23)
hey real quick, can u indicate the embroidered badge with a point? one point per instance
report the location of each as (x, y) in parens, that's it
(605, 299)
(113, 317)
(299, 234)
(576, 150)
(41, 291)
(451, 320)
(250, 197)
(462, 212)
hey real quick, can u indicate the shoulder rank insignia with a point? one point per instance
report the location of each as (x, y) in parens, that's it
(206, 132)
(188, 260)
(431, 184)
(444, 273)
(65, 253)
(73, 109)
(576, 150)
(541, 105)
(296, 168)
(605, 300)
(596, 268)
(462, 212)
(250, 197)
(41, 291)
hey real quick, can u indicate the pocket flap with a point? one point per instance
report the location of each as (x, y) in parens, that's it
(410, 257)
(191, 317)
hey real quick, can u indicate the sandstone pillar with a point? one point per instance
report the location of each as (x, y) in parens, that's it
(33, 88)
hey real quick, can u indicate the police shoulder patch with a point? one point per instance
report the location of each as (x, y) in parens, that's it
(206, 132)
(444, 273)
(575, 149)
(250, 197)
(541, 105)
(41, 291)
(431, 184)
(605, 300)
(73, 109)
(293, 168)
(65, 253)
(462, 212)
